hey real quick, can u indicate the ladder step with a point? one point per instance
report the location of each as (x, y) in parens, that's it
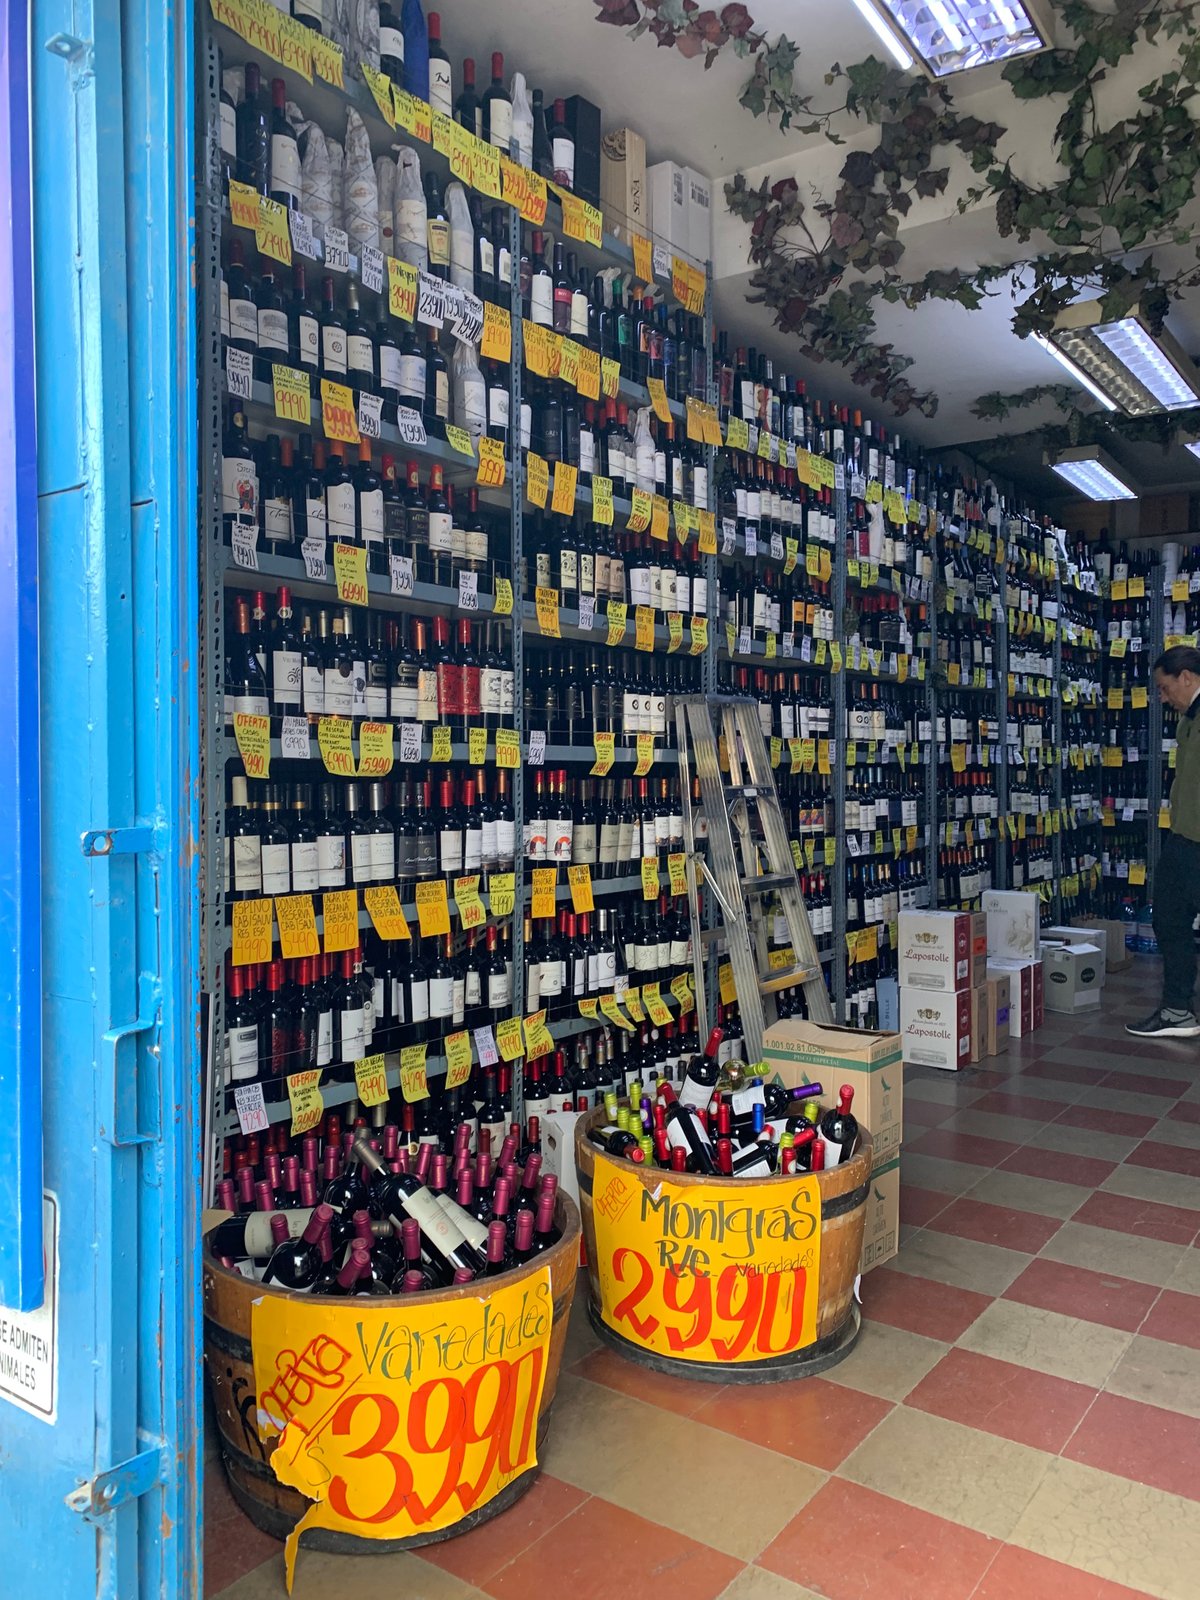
(775, 981)
(767, 882)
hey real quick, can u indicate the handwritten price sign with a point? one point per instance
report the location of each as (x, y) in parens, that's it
(707, 1272)
(409, 1420)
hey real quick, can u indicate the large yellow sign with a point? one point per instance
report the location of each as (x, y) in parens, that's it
(711, 1271)
(403, 1418)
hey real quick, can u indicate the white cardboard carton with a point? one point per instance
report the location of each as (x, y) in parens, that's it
(1073, 975)
(935, 1029)
(1013, 924)
(1097, 936)
(942, 951)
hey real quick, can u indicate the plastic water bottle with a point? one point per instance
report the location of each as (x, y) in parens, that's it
(1129, 918)
(1147, 944)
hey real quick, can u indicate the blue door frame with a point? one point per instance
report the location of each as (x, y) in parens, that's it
(99, 891)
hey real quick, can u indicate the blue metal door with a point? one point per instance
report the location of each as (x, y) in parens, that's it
(99, 1081)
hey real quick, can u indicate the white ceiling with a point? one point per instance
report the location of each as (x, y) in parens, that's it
(693, 116)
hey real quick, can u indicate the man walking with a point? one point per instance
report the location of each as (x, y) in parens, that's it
(1177, 877)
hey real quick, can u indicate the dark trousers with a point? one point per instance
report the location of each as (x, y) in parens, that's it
(1176, 906)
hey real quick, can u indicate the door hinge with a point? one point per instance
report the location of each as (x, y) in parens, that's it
(117, 841)
(108, 1490)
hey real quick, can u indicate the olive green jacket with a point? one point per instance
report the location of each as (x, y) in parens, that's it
(1185, 791)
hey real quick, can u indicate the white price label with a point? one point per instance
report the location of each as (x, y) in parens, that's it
(467, 322)
(485, 1047)
(401, 568)
(293, 739)
(251, 1108)
(587, 611)
(537, 748)
(370, 267)
(313, 551)
(410, 426)
(806, 648)
(660, 261)
(337, 250)
(239, 372)
(790, 455)
(370, 408)
(743, 642)
(728, 535)
(1127, 813)
(303, 242)
(788, 644)
(431, 300)
(852, 844)
(752, 430)
(410, 742)
(1132, 753)
(245, 545)
(752, 539)
(468, 591)
(776, 547)
(839, 476)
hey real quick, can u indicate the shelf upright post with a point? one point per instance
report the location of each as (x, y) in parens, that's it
(1154, 732)
(517, 632)
(1000, 668)
(214, 559)
(712, 587)
(840, 959)
(1056, 846)
(932, 767)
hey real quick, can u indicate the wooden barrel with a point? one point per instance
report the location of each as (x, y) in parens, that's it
(844, 1191)
(228, 1357)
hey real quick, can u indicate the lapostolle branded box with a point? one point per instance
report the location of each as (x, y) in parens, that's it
(942, 951)
(936, 1028)
(796, 1053)
(881, 1235)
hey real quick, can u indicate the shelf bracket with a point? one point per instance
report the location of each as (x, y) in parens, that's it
(116, 1487)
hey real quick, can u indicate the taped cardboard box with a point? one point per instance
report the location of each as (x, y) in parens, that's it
(1116, 956)
(1073, 975)
(881, 1235)
(1024, 979)
(1064, 935)
(935, 1029)
(942, 951)
(797, 1052)
(996, 1037)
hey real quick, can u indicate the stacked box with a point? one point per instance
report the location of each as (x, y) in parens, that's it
(623, 182)
(1073, 974)
(942, 964)
(1013, 924)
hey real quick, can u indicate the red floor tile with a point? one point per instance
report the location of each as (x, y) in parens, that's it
(1087, 1171)
(969, 1147)
(1032, 1577)
(1148, 1219)
(1165, 1158)
(1145, 1443)
(1185, 1111)
(1078, 1292)
(684, 1396)
(813, 1421)
(998, 1397)
(1060, 1072)
(1174, 1317)
(1018, 1105)
(850, 1542)
(988, 1224)
(918, 1205)
(1142, 1083)
(1099, 1120)
(233, 1546)
(921, 1306)
(476, 1556)
(1128, 1045)
(601, 1550)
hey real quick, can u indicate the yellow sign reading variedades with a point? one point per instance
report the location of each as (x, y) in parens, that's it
(707, 1272)
(404, 1419)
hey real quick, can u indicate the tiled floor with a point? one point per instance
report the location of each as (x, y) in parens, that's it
(1019, 1421)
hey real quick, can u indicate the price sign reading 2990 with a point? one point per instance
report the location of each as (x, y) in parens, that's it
(708, 1272)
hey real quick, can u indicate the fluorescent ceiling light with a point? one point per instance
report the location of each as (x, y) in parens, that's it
(1193, 445)
(1079, 375)
(950, 36)
(1139, 370)
(1088, 469)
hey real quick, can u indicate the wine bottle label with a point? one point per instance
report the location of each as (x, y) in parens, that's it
(441, 92)
(541, 299)
(499, 991)
(285, 167)
(370, 514)
(551, 979)
(562, 833)
(498, 405)
(377, 693)
(360, 352)
(243, 1052)
(339, 692)
(272, 330)
(247, 864)
(306, 870)
(427, 695)
(353, 1034)
(489, 691)
(391, 40)
(700, 487)
(506, 838)
(438, 235)
(360, 857)
(662, 834)
(276, 873)
(500, 123)
(487, 256)
(418, 1000)
(583, 849)
(228, 130)
(441, 997)
(331, 860)
(450, 849)
(277, 521)
(239, 488)
(412, 377)
(333, 350)
(503, 264)
(538, 839)
(224, 309)
(562, 154)
(383, 857)
(313, 678)
(251, 705)
(243, 320)
(339, 509)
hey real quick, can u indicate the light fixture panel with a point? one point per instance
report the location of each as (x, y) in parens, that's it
(952, 36)
(1139, 369)
(1092, 473)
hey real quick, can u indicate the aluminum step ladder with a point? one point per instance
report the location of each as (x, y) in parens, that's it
(749, 857)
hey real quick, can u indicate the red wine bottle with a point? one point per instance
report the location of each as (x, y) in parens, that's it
(839, 1129)
(295, 1263)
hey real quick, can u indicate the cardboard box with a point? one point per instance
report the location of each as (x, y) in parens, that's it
(935, 1029)
(699, 215)
(887, 1001)
(1073, 975)
(979, 1027)
(1013, 924)
(583, 119)
(623, 196)
(666, 187)
(998, 991)
(1020, 975)
(942, 951)
(1116, 956)
(797, 1052)
(1039, 995)
(1096, 936)
(881, 1235)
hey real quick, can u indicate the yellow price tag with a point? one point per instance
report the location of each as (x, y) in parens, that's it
(658, 399)
(243, 205)
(433, 909)
(402, 289)
(677, 868)
(253, 735)
(643, 258)
(580, 881)
(414, 1079)
(339, 913)
(337, 750)
(443, 746)
(708, 533)
(492, 471)
(699, 636)
(681, 988)
(293, 396)
(674, 631)
(605, 755)
(610, 377)
(640, 510)
(386, 913)
(466, 897)
(508, 748)
(508, 1039)
(660, 518)
(370, 1078)
(459, 439)
(297, 926)
(477, 739)
(565, 480)
(539, 1041)
(611, 1007)
(544, 881)
(725, 984)
(655, 1005)
(547, 612)
(502, 600)
(602, 501)
(338, 415)
(649, 877)
(350, 573)
(644, 629)
(458, 1059)
(304, 1096)
(271, 231)
(645, 754)
(253, 932)
(496, 342)
(380, 86)
(617, 613)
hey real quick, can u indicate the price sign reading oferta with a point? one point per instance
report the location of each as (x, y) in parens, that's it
(458, 1059)
(376, 754)
(304, 1096)
(253, 735)
(605, 744)
(350, 573)
(645, 754)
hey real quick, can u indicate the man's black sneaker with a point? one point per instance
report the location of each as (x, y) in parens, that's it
(1166, 1025)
